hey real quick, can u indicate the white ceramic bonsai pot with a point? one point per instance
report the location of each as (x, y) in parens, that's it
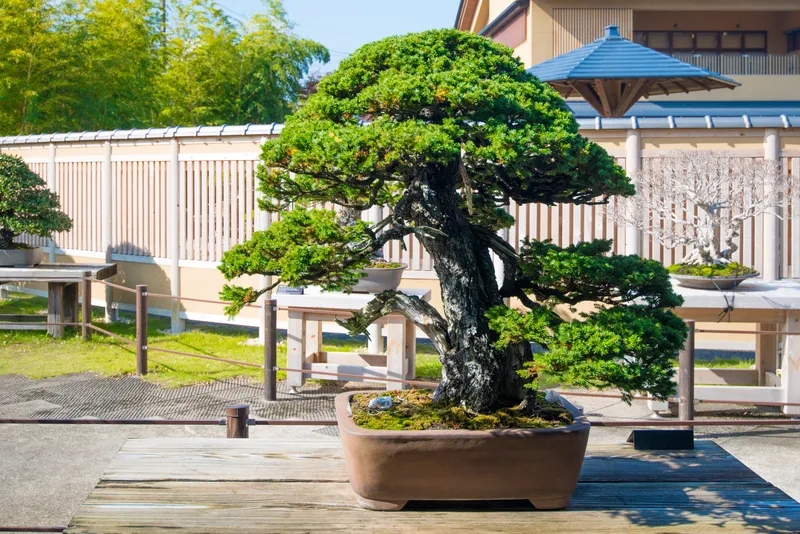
(711, 282)
(380, 279)
(21, 257)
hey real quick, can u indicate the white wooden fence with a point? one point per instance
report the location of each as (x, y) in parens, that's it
(217, 208)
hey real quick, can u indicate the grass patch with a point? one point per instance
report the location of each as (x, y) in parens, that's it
(36, 355)
(415, 410)
(727, 269)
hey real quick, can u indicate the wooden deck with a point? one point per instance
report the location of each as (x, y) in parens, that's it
(248, 485)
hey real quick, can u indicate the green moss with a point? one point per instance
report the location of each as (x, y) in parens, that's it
(415, 410)
(727, 269)
(378, 264)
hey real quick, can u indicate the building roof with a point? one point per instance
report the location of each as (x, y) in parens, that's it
(692, 115)
(614, 57)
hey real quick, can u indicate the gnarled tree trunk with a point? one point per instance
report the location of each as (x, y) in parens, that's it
(475, 374)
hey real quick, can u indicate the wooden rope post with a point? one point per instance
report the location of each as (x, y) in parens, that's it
(86, 306)
(686, 376)
(270, 349)
(236, 415)
(141, 330)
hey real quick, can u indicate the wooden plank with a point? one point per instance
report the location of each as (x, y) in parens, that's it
(327, 507)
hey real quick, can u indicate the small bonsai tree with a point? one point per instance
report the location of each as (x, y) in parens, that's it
(445, 128)
(26, 205)
(699, 199)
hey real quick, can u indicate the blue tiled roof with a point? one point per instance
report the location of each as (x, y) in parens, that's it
(612, 57)
(676, 108)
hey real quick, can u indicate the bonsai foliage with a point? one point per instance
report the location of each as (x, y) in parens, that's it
(725, 190)
(446, 128)
(26, 205)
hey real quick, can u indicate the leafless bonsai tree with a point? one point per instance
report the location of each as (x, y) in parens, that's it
(699, 199)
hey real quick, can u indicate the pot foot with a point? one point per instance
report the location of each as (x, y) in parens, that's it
(550, 503)
(382, 506)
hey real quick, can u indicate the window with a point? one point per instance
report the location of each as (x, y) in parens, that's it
(705, 42)
(793, 40)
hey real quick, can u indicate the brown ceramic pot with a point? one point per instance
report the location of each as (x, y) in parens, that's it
(388, 468)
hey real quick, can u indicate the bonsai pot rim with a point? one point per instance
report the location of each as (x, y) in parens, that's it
(708, 282)
(387, 468)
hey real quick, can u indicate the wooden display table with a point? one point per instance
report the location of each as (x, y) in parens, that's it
(771, 305)
(62, 290)
(308, 312)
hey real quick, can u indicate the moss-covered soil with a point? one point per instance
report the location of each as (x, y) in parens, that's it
(415, 410)
(728, 269)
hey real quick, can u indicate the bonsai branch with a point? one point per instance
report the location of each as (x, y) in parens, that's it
(413, 308)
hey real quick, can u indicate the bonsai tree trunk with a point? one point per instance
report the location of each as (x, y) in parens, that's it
(6, 239)
(475, 373)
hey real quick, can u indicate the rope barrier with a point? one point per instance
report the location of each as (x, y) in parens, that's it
(115, 286)
(331, 422)
(213, 358)
(111, 334)
(192, 299)
(36, 323)
(363, 377)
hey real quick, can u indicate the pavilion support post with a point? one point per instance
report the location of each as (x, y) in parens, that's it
(174, 228)
(771, 262)
(107, 216)
(51, 181)
(633, 164)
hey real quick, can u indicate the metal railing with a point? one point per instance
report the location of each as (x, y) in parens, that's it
(744, 65)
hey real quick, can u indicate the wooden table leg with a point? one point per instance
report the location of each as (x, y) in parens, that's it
(410, 366)
(296, 348)
(766, 352)
(396, 353)
(790, 379)
(62, 306)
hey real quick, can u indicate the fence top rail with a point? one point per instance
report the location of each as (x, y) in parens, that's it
(787, 120)
(257, 130)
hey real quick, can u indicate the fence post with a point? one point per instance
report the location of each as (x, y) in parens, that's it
(237, 415)
(771, 257)
(51, 179)
(686, 376)
(86, 306)
(633, 164)
(174, 228)
(270, 349)
(141, 330)
(107, 215)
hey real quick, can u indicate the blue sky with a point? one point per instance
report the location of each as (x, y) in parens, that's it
(344, 25)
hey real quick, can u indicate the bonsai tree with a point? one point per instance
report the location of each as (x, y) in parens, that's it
(725, 191)
(445, 128)
(26, 205)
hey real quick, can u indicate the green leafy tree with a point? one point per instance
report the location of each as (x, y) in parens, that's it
(456, 130)
(36, 59)
(26, 205)
(223, 72)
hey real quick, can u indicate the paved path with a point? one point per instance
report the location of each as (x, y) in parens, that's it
(47, 471)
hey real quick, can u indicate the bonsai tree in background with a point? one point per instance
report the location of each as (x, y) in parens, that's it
(445, 128)
(725, 191)
(26, 205)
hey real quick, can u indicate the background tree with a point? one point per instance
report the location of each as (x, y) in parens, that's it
(457, 130)
(26, 205)
(725, 191)
(69, 65)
